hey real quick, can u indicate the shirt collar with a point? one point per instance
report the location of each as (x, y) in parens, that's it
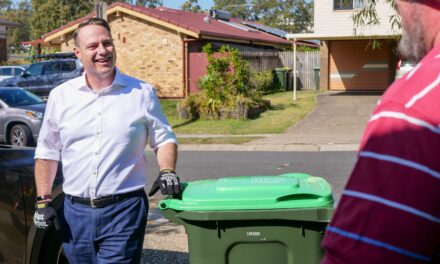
(118, 82)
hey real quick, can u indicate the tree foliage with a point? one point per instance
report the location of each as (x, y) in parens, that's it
(20, 15)
(367, 16)
(149, 3)
(191, 6)
(50, 14)
(237, 8)
(290, 15)
(293, 16)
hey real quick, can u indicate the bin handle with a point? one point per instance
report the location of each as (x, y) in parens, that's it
(298, 196)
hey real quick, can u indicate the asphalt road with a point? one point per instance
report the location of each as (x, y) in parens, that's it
(335, 166)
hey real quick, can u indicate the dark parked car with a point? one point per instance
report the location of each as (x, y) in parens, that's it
(41, 77)
(20, 242)
(21, 115)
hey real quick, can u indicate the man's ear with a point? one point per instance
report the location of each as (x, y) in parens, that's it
(76, 51)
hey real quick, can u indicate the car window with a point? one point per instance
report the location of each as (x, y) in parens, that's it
(5, 71)
(35, 69)
(17, 71)
(68, 66)
(19, 97)
(51, 68)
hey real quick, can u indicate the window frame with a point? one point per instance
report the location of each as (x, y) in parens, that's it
(347, 5)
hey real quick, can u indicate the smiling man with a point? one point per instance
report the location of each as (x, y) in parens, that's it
(98, 125)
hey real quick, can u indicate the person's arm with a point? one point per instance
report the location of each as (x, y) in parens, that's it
(163, 141)
(45, 171)
(45, 216)
(167, 156)
(167, 181)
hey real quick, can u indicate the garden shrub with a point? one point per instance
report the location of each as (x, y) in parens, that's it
(225, 86)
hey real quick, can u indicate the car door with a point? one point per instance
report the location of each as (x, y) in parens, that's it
(17, 71)
(30, 80)
(48, 77)
(13, 230)
(65, 72)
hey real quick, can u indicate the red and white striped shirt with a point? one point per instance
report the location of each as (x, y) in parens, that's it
(390, 209)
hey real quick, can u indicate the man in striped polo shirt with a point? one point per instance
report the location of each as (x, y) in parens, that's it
(390, 209)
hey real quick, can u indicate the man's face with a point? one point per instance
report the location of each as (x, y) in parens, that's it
(96, 51)
(412, 44)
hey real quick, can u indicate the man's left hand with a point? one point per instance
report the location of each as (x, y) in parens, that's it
(167, 182)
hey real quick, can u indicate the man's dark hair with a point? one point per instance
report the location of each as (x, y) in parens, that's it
(92, 21)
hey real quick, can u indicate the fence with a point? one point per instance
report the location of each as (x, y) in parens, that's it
(306, 62)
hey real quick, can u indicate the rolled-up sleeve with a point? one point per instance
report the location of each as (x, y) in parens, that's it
(159, 130)
(49, 144)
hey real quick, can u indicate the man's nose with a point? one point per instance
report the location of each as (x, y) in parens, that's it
(101, 48)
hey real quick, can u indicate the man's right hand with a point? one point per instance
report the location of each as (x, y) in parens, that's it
(45, 216)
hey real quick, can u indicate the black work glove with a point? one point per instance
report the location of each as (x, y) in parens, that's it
(167, 182)
(45, 217)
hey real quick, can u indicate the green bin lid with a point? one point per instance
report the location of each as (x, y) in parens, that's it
(296, 190)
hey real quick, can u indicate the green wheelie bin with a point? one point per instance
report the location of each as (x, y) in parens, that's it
(253, 219)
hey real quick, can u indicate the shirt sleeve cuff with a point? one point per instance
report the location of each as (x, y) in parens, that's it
(169, 140)
(49, 154)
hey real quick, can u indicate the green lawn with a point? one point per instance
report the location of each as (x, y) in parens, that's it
(284, 112)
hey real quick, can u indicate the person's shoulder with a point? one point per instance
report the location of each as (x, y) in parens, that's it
(419, 81)
(135, 83)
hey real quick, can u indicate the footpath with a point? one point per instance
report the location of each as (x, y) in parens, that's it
(336, 124)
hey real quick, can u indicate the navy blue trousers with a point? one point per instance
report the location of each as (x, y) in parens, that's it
(112, 234)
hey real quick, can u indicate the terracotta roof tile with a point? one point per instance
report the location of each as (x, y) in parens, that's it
(194, 22)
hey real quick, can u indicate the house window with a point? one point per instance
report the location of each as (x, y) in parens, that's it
(347, 4)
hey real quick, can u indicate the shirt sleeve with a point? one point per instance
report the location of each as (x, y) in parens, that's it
(49, 143)
(159, 131)
(390, 209)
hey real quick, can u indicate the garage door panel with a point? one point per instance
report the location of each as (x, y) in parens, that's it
(354, 65)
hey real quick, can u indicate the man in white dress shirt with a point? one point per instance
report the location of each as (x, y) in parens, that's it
(98, 125)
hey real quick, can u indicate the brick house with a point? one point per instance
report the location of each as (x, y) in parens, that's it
(155, 45)
(348, 61)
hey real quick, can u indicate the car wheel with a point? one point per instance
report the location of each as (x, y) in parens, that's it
(20, 135)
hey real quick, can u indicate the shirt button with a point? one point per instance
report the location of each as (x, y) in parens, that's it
(97, 133)
(99, 113)
(96, 152)
(94, 173)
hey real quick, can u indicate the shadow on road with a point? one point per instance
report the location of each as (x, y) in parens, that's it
(155, 256)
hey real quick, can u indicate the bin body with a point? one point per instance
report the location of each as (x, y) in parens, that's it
(281, 74)
(289, 79)
(317, 72)
(235, 231)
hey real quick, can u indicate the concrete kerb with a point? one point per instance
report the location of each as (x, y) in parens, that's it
(268, 147)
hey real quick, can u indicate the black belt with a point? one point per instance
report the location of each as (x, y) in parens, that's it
(103, 201)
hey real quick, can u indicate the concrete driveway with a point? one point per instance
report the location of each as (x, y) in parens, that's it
(337, 122)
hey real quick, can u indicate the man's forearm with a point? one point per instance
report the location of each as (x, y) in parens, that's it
(45, 171)
(167, 156)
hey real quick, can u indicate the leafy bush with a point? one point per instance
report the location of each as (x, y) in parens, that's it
(265, 82)
(225, 86)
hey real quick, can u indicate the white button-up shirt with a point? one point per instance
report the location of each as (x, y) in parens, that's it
(100, 137)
